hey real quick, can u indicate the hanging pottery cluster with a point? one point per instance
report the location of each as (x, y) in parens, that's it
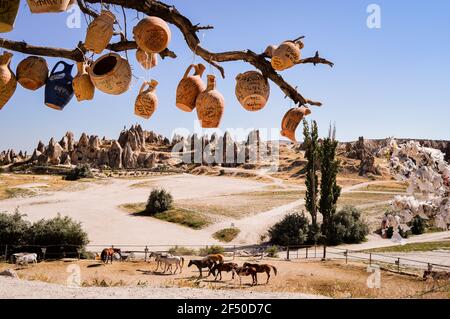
(111, 73)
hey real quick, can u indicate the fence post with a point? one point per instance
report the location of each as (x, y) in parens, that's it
(6, 253)
(146, 252)
(315, 250)
(398, 265)
(297, 252)
(346, 256)
(306, 252)
(430, 267)
(287, 253)
(234, 252)
(324, 252)
(370, 259)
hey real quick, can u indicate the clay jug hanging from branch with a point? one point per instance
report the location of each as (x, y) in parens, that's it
(252, 90)
(32, 72)
(8, 82)
(146, 60)
(111, 74)
(82, 85)
(210, 105)
(58, 89)
(291, 120)
(8, 14)
(286, 55)
(152, 34)
(100, 32)
(47, 6)
(147, 101)
(190, 87)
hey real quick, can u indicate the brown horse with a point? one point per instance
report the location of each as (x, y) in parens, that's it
(262, 268)
(108, 254)
(227, 267)
(247, 271)
(200, 264)
(215, 258)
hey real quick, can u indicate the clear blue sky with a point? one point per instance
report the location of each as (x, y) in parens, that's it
(392, 81)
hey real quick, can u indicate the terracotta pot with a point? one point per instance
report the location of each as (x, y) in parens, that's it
(8, 81)
(58, 89)
(291, 120)
(146, 60)
(146, 101)
(8, 14)
(152, 34)
(286, 55)
(190, 87)
(44, 6)
(111, 74)
(210, 105)
(100, 32)
(32, 72)
(252, 90)
(82, 85)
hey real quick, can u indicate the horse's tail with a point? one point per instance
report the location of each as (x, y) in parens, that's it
(103, 255)
(274, 269)
(182, 262)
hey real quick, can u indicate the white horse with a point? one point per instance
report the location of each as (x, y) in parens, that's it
(169, 261)
(24, 259)
(158, 257)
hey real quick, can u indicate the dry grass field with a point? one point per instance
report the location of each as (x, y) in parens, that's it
(332, 278)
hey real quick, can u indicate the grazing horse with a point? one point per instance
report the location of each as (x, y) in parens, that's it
(158, 256)
(247, 271)
(215, 258)
(227, 267)
(108, 254)
(202, 264)
(262, 268)
(169, 261)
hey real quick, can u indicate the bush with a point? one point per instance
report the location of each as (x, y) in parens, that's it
(79, 172)
(182, 251)
(159, 201)
(348, 227)
(272, 252)
(227, 234)
(13, 229)
(211, 250)
(418, 225)
(291, 230)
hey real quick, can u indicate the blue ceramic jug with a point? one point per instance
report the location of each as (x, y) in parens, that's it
(58, 89)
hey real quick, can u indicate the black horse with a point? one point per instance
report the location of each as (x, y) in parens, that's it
(201, 264)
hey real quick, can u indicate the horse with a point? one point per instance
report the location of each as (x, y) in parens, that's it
(215, 258)
(202, 264)
(227, 267)
(157, 256)
(247, 271)
(24, 259)
(108, 254)
(169, 261)
(262, 268)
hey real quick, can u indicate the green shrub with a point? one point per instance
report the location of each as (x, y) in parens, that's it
(79, 172)
(211, 250)
(159, 201)
(13, 229)
(182, 251)
(348, 227)
(227, 234)
(272, 252)
(291, 230)
(418, 225)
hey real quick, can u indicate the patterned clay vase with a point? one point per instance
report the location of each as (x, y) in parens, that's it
(32, 72)
(8, 14)
(82, 85)
(210, 105)
(286, 55)
(146, 101)
(58, 89)
(146, 60)
(111, 74)
(46, 6)
(100, 32)
(152, 34)
(252, 90)
(190, 87)
(291, 120)
(8, 82)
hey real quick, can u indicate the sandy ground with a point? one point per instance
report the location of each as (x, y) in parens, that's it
(294, 279)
